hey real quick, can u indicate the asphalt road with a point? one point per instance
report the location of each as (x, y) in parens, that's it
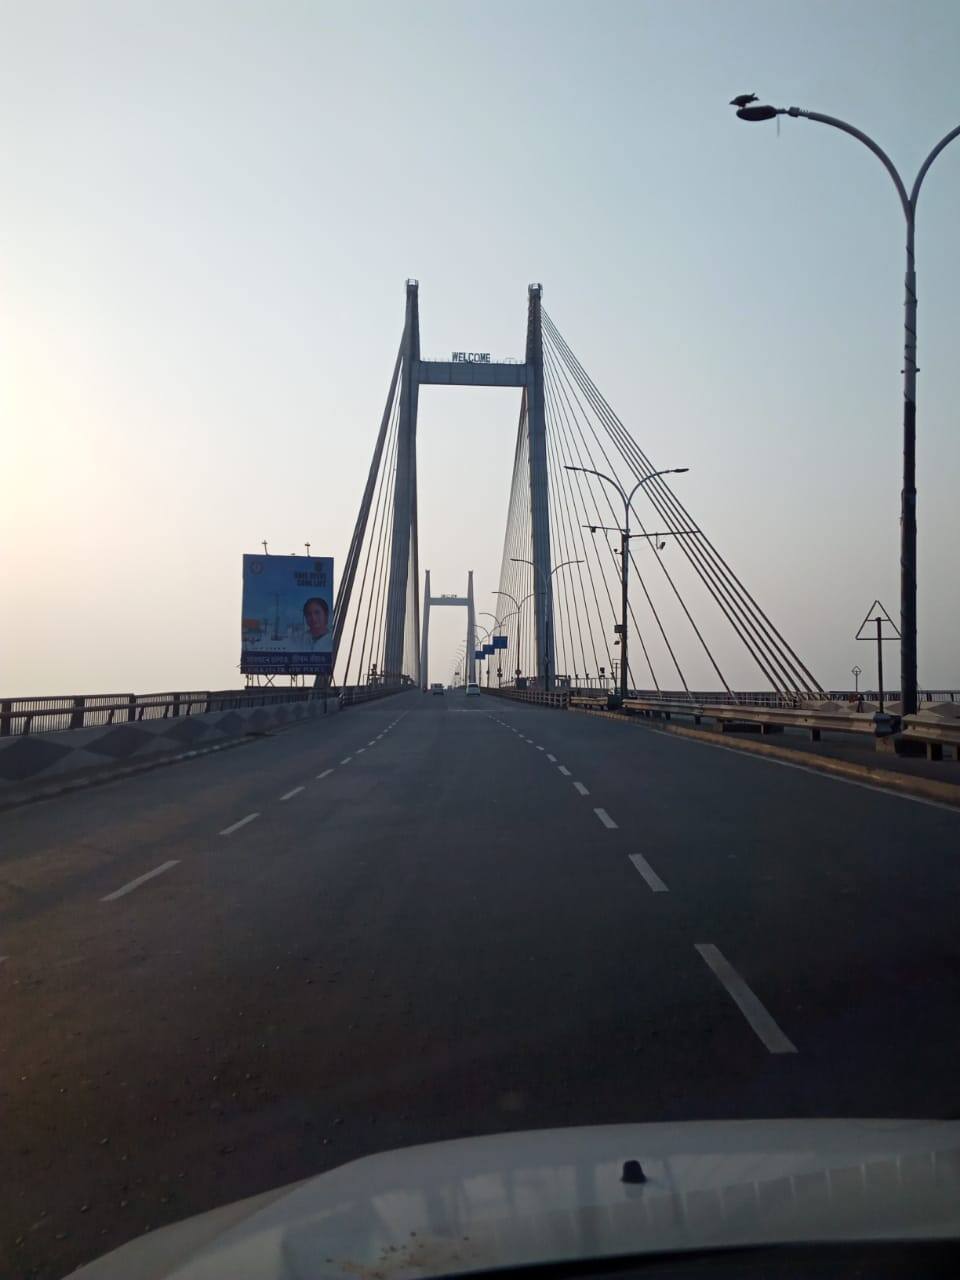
(447, 917)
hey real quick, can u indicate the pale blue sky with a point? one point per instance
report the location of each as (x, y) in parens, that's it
(209, 211)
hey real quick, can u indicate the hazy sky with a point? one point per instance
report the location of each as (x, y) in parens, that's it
(208, 212)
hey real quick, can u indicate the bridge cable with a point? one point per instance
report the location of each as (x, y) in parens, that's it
(759, 657)
(703, 555)
(584, 484)
(567, 388)
(374, 548)
(570, 479)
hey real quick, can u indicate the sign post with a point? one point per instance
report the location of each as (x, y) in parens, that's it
(880, 616)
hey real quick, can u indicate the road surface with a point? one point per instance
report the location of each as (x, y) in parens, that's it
(428, 918)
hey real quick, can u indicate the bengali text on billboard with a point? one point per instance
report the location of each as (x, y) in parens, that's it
(287, 622)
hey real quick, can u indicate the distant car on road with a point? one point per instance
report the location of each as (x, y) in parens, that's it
(437, 688)
(473, 690)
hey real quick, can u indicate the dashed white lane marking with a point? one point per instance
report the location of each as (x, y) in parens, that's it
(361, 750)
(372, 742)
(578, 786)
(133, 884)
(552, 759)
(745, 1000)
(228, 831)
(291, 794)
(539, 748)
(605, 818)
(346, 759)
(648, 873)
(564, 770)
(326, 774)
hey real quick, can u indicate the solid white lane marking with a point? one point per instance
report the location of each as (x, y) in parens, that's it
(564, 770)
(552, 759)
(817, 773)
(346, 759)
(581, 788)
(605, 818)
(133, 884)
(228, 831)
(326, 774)
(290, 794)
(648, 873)
(745, 1000)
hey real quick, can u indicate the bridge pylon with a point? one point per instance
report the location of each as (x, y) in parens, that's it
(429, 601)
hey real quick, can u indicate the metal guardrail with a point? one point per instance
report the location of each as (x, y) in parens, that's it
(20, 716)
(772, 719)
(536, 696)
(934, 735)
(759, 698)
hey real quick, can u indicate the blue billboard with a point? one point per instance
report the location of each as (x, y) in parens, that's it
(287, 615)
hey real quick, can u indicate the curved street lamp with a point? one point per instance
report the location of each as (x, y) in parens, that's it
(517, 609)
(908, 493)
(625, 536)
(546, 611)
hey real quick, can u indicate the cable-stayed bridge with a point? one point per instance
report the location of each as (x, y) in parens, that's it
(561, 591)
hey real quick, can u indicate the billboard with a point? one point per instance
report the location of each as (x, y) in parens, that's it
(287, 615)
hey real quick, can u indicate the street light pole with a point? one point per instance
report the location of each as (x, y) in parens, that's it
(546, 611)
(519, 611)
(625, 537)
(908, 492)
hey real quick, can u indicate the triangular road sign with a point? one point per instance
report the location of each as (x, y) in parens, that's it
(883, 617)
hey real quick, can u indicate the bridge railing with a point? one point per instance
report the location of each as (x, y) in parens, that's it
(538, 697)
(19, 716)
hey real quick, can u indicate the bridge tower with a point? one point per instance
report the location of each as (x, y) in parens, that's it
(404, 547)
(434, 601)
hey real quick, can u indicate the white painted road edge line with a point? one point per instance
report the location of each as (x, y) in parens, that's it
(128, 888)
(605, 818)
(326, 774)
(648, 873)
(578, 786)
(552, 759)
(817, 773)
(346, 759)
(228, 831)
(564, 770)
(291, 794)
(745, 1000)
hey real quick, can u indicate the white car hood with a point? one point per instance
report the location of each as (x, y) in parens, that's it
(556, 1195)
